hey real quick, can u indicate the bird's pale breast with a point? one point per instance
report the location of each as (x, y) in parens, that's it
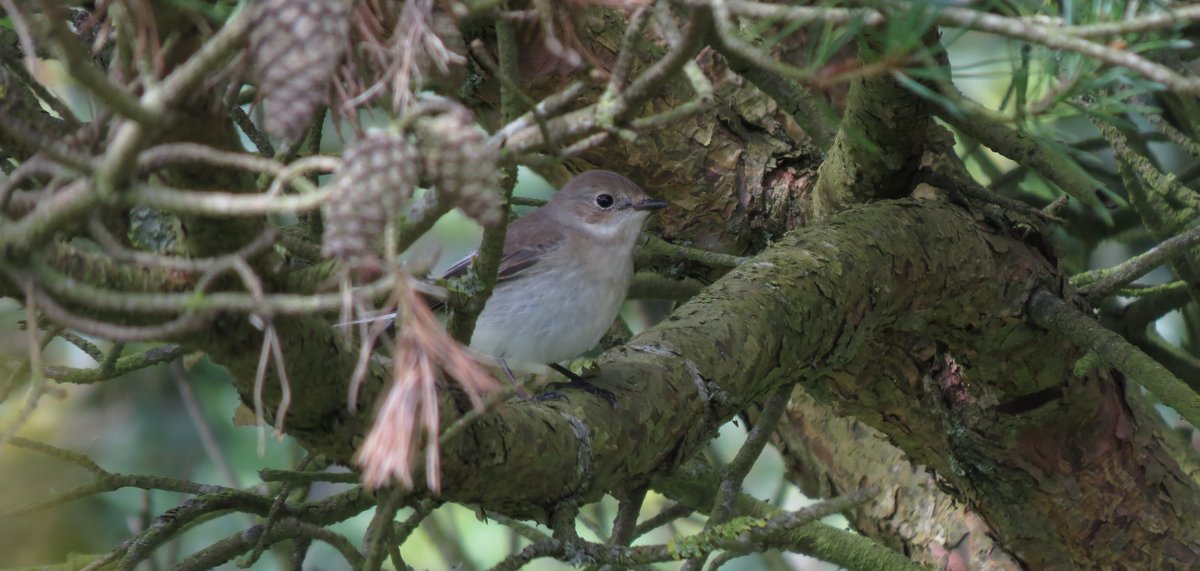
(558, 310)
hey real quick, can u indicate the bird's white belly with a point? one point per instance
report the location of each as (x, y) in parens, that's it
(550, 316)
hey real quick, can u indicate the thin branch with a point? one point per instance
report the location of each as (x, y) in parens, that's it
(105, 481)
(273, 515)
(165, 330)
(519, 527)
(735, 472)
(261, 141)
(977, 122)
(225, 550)
(84, 345)
(625, 523)
(168, 154)
(486, 265)
(670, 514)
(51, 214)
(743, 535)
(109, 363)
(1185, 142)
(402, 530)
(37, 384)
(19, 373)
(1099, 284)
(381, 526)
(624, 64)
(120, 367)
(52, 148)
(227, 41)
(652, 247)
(791, 97)
(696, 489)
(1055, 39)
(613, 111)
(31, 167)
(213, 266)
(82, 68)
(63, 454)
(510, 86)
(799, 14)
(228, 203)
(197, 303)
(545, 108)
(1168, 17)
(1052, 313)
(211, 448)
(271, 475)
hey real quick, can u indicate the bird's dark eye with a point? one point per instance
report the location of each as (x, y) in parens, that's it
(604, 200)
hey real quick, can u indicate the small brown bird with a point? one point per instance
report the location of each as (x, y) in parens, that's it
(565, 271)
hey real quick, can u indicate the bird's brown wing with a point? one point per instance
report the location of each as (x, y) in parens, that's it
(513, 264)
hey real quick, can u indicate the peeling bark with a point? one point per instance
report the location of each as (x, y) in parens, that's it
(827, 455)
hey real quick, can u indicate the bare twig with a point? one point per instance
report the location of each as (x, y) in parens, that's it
(273, 515)
(735, 472)
(375, 540)
(228, 548)
(1098, 284)
(1168, 17)
(510, 86)
(256, 136)
(799, 14)
(654, 247)
(625, 524)
(165, 330)
(228, 203)
(119, 367)
(211, 448)
(667, 515)
(267, 305)
(66, 47)
(1056, 39)
(37, 385)
(624, 65)
(212, 53)
(486, 265)
(84, 345)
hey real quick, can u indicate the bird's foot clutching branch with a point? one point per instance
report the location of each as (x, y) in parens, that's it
(575, 381)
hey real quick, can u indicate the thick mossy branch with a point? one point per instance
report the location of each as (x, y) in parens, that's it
(839, 306)
(878, 148)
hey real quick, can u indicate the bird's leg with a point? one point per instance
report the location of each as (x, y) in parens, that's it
(576, 382)
(512, 379)
(568, 373)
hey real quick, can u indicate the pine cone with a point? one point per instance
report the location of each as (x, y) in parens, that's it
(461, 165)
(295, 48)
(377, 177)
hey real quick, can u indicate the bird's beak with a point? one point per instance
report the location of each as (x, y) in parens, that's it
(650, 204)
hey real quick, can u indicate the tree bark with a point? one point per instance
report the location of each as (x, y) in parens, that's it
(857, 309)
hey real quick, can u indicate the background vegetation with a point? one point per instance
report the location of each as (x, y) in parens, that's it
(941, 257)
